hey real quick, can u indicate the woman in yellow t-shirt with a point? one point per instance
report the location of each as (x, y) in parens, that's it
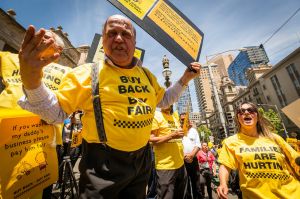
(260, 158)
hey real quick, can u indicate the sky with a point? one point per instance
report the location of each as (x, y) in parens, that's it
(226, 24)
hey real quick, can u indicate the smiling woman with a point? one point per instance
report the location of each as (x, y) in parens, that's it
(260, 161)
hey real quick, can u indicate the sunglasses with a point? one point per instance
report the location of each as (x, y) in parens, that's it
(250, 110)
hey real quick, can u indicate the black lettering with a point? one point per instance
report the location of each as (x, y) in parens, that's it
(254, 149)
(264, 156)
(278, 166)
(137, 79)
(57, 81)
(145, 89)
(143, 99)
(254, 165)
(276, 149)
(149, 109)
(269, 164)
(130, 89)
(124, 79)
(132, 100)
(122, 89)
(247, 165)
(15, 72)
(138, 89)
(265, 149)
(261, 165)
(138, 110)
(272, 156)
(241, 149)
(257, 157)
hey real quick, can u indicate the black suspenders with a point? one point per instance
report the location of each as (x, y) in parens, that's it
(96, 100)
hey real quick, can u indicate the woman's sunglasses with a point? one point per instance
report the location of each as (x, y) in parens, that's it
(250, 110)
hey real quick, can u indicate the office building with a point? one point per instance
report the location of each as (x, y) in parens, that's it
(252, 57)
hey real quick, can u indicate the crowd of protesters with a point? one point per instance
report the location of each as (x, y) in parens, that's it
(120, 166)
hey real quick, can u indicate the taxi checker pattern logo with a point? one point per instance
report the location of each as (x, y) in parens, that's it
(53, 88)
(268, 175)
(132, 124)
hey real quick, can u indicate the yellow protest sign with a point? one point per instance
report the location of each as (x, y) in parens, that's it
(28, 157)
(138, 7)
(10, 72)
(176, 27)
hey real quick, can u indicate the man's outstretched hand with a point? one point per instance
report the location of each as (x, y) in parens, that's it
(31, 57)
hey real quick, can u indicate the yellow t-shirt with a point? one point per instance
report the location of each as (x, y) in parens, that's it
(128, 102)
(168, 155)
(262, 169)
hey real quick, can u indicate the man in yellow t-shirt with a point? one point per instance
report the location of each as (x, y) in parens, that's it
(166, 136)
(129, 95)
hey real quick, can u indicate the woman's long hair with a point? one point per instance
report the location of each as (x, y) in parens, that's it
(263, 125)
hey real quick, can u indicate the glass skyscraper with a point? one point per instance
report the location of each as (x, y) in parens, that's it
(250, 58)
(184, 101)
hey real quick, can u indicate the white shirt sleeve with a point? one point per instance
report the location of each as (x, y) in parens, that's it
(197, 139)
(44, 103)
(171, 95)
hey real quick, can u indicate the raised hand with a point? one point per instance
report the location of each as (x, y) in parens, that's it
(36, 52)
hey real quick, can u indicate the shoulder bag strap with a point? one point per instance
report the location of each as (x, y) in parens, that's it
(97, 103)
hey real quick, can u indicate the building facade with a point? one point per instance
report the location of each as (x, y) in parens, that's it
(251, 57)
(223, 61)
(204, 93)
(184, 103)
(12, 35)
(276, 88)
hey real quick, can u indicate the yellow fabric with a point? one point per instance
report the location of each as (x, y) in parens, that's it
(127, 115)
(262, 169)
(168, 155)
(10, 72)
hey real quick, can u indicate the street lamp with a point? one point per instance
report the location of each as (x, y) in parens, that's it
(214, 87)
(166, 72)
(275, 106)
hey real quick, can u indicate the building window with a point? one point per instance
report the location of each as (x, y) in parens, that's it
(264, 87)
(268, 98)
(295, 77)
(277, 87)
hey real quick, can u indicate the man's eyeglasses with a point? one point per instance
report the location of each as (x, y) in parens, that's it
(250, 110)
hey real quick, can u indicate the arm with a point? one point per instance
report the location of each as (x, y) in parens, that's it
(173, 93)
(162, 139)
(44, 103)
(37, 98)
(223, 176)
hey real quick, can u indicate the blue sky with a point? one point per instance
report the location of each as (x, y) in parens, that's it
(226, 24)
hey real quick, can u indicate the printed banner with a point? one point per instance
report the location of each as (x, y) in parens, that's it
(96, 52)
(10, 72)
(165, 23)
(138, 7)
(28, 157)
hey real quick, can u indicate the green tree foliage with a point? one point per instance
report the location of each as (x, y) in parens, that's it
(207, 132)
(274, 118)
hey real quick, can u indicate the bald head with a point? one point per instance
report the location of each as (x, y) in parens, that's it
(120, 19)
(119, 40)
